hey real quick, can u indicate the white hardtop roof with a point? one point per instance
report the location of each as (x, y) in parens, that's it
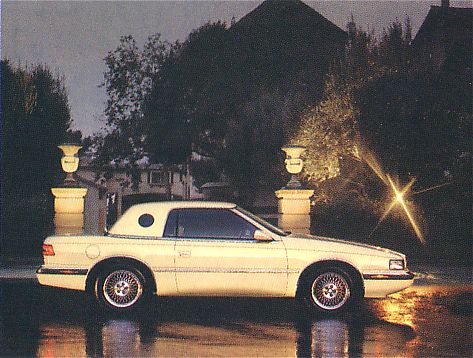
(169, 205)
(128, 225)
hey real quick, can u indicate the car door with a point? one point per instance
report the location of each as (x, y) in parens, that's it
(215, 254)
(156, 250)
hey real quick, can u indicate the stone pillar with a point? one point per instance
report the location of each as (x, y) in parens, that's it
(69, 210)
(294, 210)
(69, 197)
(294, 199)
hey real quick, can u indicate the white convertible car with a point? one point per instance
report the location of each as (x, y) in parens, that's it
(217, 249)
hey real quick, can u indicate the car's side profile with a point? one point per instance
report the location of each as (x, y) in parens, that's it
(217, 249)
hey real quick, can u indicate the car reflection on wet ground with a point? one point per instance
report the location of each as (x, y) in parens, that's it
(421, 321)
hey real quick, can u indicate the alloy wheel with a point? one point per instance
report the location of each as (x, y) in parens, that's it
(330, 291)
(122, 288)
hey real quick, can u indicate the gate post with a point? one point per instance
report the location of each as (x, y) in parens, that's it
(69, 197)
(293, 199)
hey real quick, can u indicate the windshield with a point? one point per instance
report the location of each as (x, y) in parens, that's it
(264, 223)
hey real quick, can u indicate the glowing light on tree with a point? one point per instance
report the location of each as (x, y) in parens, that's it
(328, 131)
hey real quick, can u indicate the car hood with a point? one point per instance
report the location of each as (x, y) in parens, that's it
(319, 243)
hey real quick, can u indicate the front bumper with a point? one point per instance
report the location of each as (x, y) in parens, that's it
(407, 275)
(70, 278)
(383, 284)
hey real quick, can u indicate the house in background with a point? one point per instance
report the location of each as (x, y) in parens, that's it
(270, 41)
(444, 41)
(107, 198)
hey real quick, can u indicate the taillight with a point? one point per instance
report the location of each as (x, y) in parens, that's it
(48, 250)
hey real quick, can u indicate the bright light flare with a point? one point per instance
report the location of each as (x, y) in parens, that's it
(375, 166)
(399, 196)
(399, 200)
(432, 188)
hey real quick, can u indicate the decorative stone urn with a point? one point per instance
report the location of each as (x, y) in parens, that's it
(293, 199)
(69, 161)
(294, 164)
(69, 198)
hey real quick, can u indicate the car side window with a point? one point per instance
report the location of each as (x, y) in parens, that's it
(146, 220)
(171, 224)
(213, 224)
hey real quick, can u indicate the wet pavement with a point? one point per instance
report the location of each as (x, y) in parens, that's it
(425, 320)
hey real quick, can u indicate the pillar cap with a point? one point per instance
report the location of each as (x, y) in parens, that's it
(69, 192)
(294, 193)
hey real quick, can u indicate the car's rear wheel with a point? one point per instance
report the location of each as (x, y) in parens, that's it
(329, 290)
(120, 288)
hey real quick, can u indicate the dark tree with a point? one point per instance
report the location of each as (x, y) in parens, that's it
(420, 125)
(35, 119)
(128, 80)
(416, 123)
(209, 94)
(252, 153)
(191, 98)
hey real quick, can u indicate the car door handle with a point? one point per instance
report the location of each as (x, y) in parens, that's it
(184, 253)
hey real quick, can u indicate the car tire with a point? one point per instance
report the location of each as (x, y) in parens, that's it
(120, 288)
(329, 290)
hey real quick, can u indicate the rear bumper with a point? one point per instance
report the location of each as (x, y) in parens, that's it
(61, 271)
(70, 278)
(383, 284)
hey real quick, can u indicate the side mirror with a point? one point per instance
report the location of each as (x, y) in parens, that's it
(260, 235)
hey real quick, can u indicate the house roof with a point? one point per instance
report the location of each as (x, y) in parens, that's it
(289, 28)
(287, 16)
(445, 38)
(285, 44)
(216, 185)
(453, 22)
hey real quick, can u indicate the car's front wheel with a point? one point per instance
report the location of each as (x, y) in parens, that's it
(329, 290)
(120, 288)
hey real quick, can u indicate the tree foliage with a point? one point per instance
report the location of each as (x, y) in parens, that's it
(128, 79)
(35, 120)
(188, 104)
(329, 128)
(165, 100)
(216, 94)
(417, 123)
(253, 144)
(328, 131)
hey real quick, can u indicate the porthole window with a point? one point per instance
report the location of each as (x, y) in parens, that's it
(146, 220)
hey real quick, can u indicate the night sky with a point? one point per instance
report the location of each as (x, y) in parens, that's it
(72, 38)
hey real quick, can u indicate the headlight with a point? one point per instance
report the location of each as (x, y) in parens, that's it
(396, 264)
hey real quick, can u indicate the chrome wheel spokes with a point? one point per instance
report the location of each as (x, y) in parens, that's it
(330, 291)
(122, 288)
